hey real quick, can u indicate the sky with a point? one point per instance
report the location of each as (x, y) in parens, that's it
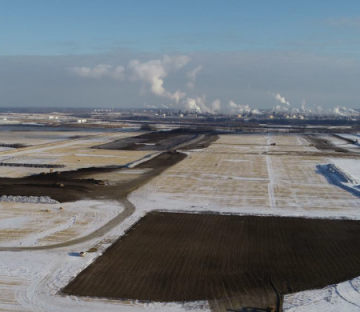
(185, 54)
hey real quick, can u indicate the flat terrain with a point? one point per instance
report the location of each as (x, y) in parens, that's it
(152, 141)
(239, 174)
(71, 150)
(162, 140)
(244, 173)
(245, 260)
(50, 224)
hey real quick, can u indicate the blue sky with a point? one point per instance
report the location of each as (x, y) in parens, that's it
(81, 53)
(74, 27)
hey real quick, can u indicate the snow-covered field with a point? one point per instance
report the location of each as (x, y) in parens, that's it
(353, 137)
(34, 224)
(340, 143)
(351, 166)
(237, 174)
(73, 154)
(344, 297)
(3, 149)
(234, 176)
(31, 280)
(225, 178)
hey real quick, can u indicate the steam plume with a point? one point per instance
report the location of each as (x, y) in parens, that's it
(191, 75)
(281, 99)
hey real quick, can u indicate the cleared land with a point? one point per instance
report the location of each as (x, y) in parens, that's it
(28, 224)
(244, 174)
(71, 222)
(244, 260)
(239, 173)
(8, 292)
(70, 153)
(163, 140)
(153, 141)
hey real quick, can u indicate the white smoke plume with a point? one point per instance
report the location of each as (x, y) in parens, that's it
(238, 108)
(198, 104)
(281, 99)
(151, 73)
(149, 106)
(177, 96)
(256, 112)
(344, 111)
(280, 108)
(303, 104)
(338, 112)
(216, 106)
(191, 75)
(192, 105)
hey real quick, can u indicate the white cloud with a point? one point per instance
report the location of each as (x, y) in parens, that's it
(99, 71)
(191, 75)
(151, 72)
(343, 22)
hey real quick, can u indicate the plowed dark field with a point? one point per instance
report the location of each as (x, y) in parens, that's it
(233, 261)
(153, 141)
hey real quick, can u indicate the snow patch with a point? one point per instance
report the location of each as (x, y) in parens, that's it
(28, 199)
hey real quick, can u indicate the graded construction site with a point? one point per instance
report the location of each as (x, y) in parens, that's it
(228, 261)
(162, 140)
(233, 261)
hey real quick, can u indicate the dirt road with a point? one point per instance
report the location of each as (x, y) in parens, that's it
(75, 189)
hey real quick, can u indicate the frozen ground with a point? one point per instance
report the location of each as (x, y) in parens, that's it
(30, 280)
(233, 176)
(34, 224)
(351, 166)
(28, 199)
(3, 149)
(340, 143)
(344, 297)
(236, 174)
(353, 137)
(344, 173)
(71, 153)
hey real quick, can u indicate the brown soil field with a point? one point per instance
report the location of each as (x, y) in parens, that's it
(203, 142)
(75, 187)
(155, 141)
(158, 140)
(232, 261)
(323, 144)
